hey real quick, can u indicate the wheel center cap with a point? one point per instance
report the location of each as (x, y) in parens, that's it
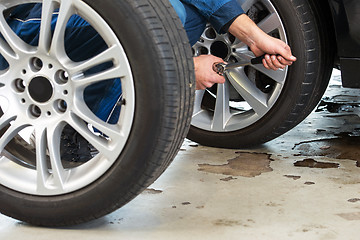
(219, 49)
(40, 89)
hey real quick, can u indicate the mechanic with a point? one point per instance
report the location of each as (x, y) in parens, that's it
(224, 15)
(227, 16)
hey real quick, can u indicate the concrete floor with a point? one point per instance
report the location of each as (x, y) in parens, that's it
(303, 185)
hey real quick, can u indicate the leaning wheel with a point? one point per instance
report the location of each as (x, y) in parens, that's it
(48, 87)
(256, 105)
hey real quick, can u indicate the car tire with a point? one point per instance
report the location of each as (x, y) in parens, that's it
(154, 119)
(310, 37)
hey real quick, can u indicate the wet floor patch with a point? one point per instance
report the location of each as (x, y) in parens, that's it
(245, 165)
(345, 146)
(338, 104)
(311, 163)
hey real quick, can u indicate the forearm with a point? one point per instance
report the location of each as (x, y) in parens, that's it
(278, 52)
(245, 29)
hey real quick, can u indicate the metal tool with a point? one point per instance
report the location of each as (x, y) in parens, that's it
(220, 67)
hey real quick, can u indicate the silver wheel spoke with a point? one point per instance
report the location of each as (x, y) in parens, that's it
(109, 55)
(222, 110)
(278, 76)
(43, 174)
(85, 115)
(270, 23)
(3, 78)
(198, 99)
(4, 82)
(6, 118)
(111, 73)
(239, 45)
(13, 46)
(246, 4)
(248, 90)
(243, 55)
(58, 172)
(45, 35)
(7, 52)
(15, 127)
(58, 43)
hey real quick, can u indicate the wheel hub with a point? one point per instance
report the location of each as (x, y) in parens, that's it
(40, 89)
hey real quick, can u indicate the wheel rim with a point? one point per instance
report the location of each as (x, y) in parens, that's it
(249, 92)
(48, 66)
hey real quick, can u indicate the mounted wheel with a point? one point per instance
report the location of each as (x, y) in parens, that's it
(46, 91)
(256, 105)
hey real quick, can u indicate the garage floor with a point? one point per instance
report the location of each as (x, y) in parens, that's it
(303, 185)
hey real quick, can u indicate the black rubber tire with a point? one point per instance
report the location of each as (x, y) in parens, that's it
(311, 41)
(160, 57)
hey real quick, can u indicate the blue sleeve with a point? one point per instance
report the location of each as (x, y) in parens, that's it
(217, 12)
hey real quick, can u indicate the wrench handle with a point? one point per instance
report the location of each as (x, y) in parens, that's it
(257, 60)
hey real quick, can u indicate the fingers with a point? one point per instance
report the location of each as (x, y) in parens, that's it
(204, 73)
(274, 62)
(286, 53)
(211, 79)
(284, 50)
(284, 61)
(280, 57)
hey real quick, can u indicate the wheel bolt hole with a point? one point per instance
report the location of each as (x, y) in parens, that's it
(36, 64)
(61, 106)
(50, 66)
(35, 111)
(19, 85)
(61, 77)
(232, 38)
(23, 71)
(48, 113)
(65, 92)
(23, 100)
(203, 51)
(210, 33)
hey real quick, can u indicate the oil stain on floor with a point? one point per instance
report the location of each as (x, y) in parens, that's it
(342, 147)
(245, 165)
(311, 163)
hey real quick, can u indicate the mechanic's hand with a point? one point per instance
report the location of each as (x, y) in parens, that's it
(278, 53)
(204, 73)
